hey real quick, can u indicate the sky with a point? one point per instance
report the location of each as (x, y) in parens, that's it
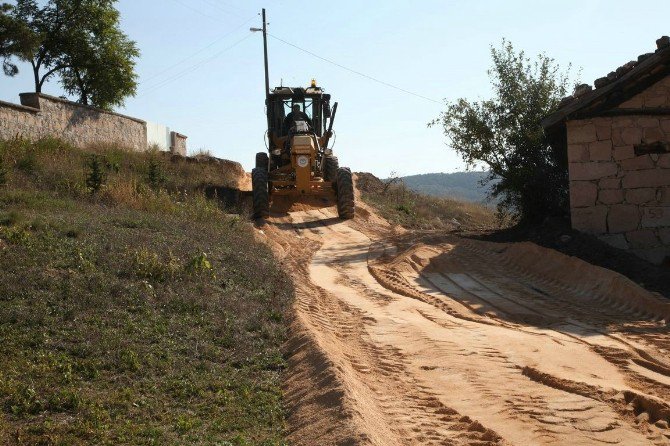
(201, 69)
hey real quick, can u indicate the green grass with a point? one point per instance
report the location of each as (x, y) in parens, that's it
(135, 318)
(412, 210)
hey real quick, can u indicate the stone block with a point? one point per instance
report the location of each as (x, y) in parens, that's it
(646, 178)
(610, 196)
(579, 134)
(663, 161)
(640, 196)
(653, 134)
(665, 125)
(609, 183)
(655, 216)
(600, 150)
(642, 238)
(624, 152)
(582, 194)
(623, 218)
(616, 240)
(658, 100)
(592, 171)
(592, 219)
(637, 163)
(664, 235)
(623, 121)
(578, 153)
(634, 102)
(648, 122)
(617, 140)
(631, 136)
(664, 195)
(603, 132)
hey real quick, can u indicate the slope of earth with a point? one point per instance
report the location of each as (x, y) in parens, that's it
(423, 340)
(133, 315)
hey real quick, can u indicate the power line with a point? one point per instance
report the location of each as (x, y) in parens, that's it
(192, 55)
(197, 11)
(218, 6)
(193, 67)
(354, 71)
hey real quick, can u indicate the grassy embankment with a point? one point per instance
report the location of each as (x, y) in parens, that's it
(133, 311)
(412, 210)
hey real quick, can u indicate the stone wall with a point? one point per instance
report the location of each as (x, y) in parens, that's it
(178, 145)
(41, 116)
(620, 178)
(47, 116)
(656, 96)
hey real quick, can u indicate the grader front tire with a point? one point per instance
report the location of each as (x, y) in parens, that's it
(262, 161)
(260, 193)
(345, 194)
(330, 169)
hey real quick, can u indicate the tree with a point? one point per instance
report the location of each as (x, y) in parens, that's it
(79, 40)
(104, 74)
(16, 40)
(504, 134)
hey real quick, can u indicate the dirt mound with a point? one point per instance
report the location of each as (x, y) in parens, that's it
(367, 182)
(558, 235)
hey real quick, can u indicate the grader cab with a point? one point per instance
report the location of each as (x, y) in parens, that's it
(299, 162)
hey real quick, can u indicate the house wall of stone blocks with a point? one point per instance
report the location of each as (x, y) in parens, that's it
(618, 189)
(41, 116)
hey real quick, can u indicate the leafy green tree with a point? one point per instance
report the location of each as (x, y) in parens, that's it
(80, 40)
(16, 40)
(103, 74)
(504, 134)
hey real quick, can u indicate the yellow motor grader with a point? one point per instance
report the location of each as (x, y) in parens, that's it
(299, 163)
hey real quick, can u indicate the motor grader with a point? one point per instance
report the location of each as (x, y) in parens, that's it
(298, 162)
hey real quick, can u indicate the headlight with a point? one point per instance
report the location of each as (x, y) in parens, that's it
(303, 161)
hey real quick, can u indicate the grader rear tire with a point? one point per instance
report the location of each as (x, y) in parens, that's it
(345, 194)
(331, 165)
(262, 161)
(260, 193)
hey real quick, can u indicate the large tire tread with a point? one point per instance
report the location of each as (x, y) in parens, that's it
(260, 193)
(345, 194)
(262, 161)
(331, 164)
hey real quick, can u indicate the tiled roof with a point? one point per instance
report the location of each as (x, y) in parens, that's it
(585, 95)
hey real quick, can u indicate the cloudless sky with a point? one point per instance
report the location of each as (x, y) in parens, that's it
(201, 69)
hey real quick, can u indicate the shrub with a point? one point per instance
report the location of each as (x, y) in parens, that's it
(95, 176)
(155, 175)
(504, 134)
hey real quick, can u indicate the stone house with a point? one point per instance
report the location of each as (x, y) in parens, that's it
(617, 139)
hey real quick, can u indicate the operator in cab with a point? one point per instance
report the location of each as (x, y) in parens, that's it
(291, 118)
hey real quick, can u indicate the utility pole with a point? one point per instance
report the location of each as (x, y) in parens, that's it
(265, 55)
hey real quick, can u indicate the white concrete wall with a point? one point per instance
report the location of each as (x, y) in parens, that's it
(159, 135)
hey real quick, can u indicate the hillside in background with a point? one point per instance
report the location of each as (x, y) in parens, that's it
(462, 185)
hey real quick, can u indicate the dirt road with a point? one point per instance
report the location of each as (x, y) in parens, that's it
(417, 339)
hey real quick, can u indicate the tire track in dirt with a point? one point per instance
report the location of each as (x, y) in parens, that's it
(467, 350)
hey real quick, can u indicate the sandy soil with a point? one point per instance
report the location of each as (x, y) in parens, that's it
(420, 339)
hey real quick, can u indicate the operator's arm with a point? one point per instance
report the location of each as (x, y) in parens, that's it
(286, 126)
(307, 120)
